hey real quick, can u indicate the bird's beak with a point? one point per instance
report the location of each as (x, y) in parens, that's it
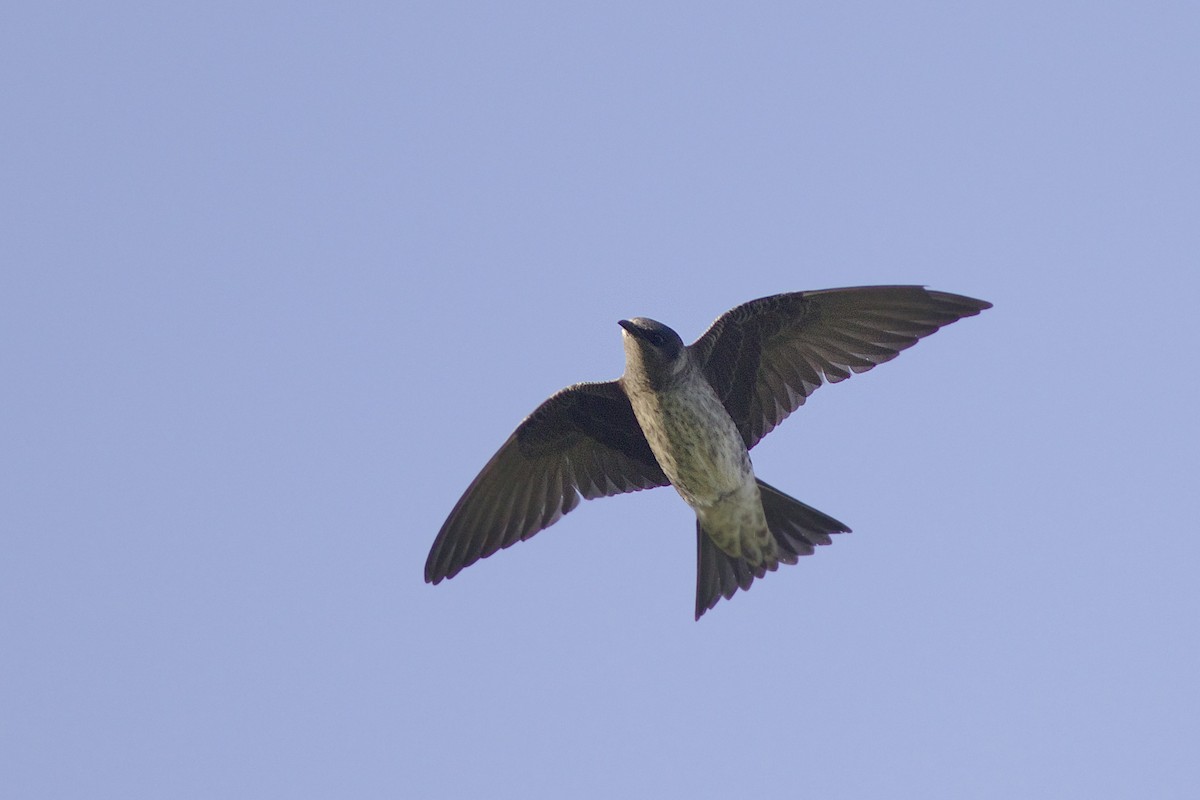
(629, 327)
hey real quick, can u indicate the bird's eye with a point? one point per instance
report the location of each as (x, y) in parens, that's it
(658, 338)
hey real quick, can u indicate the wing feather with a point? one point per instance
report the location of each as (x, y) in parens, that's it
(583, 441)
(765, 357)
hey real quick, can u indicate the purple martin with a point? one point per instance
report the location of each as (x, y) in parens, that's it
(687, 416)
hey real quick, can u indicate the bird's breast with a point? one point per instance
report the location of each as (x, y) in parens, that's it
(694, 439)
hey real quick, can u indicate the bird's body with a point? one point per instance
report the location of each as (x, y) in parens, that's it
(687, 416)
(698, 446)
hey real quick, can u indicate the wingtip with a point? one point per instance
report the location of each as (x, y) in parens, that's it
(951, 298)
(435, 574)
(974, 302)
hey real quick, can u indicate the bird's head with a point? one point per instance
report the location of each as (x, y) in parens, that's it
(653, 352)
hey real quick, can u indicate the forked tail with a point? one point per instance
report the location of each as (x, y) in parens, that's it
(797, 528)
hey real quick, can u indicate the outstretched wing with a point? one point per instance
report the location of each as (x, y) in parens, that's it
(584, 441)
(765, 357)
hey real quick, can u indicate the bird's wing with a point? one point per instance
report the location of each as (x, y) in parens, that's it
(584, 441)
(765, 357)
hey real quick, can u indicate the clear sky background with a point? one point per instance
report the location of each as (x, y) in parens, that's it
(278, 278)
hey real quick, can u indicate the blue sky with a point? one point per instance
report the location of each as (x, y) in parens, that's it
(279, 279)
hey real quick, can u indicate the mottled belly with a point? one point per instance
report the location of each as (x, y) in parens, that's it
(697, 444)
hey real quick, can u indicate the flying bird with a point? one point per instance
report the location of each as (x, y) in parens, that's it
(687, 416)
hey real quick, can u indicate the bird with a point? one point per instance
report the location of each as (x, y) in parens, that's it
(687, 416)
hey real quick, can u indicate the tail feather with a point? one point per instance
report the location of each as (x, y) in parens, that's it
(797, 529)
